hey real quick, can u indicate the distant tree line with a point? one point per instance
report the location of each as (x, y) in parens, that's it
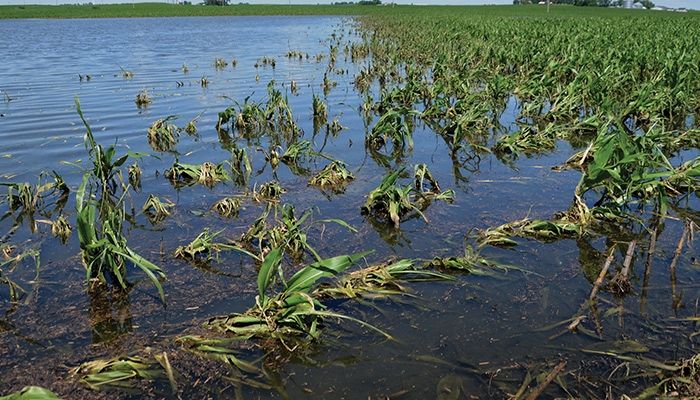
(590, 3)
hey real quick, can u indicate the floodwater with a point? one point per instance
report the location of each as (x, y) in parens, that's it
(482, 332)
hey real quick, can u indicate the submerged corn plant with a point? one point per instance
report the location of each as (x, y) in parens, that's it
(319, 108)
(334, 176)
(528, 140)
(283, 229)
(9, 261)
(378, 280)
(61, 228)
(163, 135)
(134, 172)
(205, 248)
(528, 228)
(155, 209)
(268, 192)
(393, 201)
(289, 314)
(122, 372)
(26, 201)
(103, 246)
(220, 63)
(228, 207)
(241, 167)
(245, 373)
(472, 262)
(207, 174)
(143, 99)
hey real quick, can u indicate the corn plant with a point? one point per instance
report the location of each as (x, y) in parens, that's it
(393, 201)
(287, 231)
(61, 228)
(205, 248)
(291, 314)
(143, 99)
(134, 173)
(155, 209)
(228, 207)
(268, 192)
(99, 219)
(26, 201)
(118, 372)
(31, 393)
(319, 108)
(103, 246)
(335, 176)
(207, 174)
(393, 126)
(379, 280)
(9, 262)
(163, 135)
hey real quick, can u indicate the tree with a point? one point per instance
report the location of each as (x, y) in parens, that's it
(216, 2)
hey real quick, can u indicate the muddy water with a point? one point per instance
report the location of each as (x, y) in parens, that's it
(481, 332)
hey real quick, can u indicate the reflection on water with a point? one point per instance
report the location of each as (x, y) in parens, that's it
(110, 315)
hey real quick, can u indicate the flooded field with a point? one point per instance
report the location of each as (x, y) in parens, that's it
(305, 213)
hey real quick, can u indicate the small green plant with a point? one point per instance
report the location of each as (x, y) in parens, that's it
(25, 200)
(126, 74)
(335, 127)
(393, 126)
(391, 200)
(537, 229)
(287, 231)
(240, 165)
(379, 280)
(472, 262)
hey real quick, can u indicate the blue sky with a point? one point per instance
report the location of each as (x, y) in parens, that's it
(670, 3)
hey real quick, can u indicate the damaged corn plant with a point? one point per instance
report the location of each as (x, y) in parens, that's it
(100, 214)
(394, 202)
